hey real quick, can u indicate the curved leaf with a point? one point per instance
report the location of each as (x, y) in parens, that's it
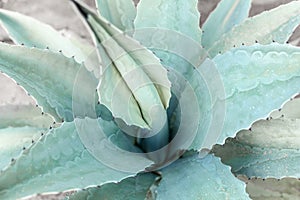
(261, 28)
(32, 33)
(257, 80)
(119, 12)
(180, 16)
(56, 162)
(48, 76)
(229, 13)
(130, 188)
(123, 59)
(193, 177)
(270, 149)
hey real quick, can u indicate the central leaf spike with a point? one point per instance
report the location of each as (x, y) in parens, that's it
(133, 85)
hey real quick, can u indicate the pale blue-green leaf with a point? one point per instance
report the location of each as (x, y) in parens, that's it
(229, 13)
(177, 43)
(46, 75)
(33, 33)
(133, 188)
(193, 177)
(257, 80)
(158, 26)
(180, 16)
(120, 13)
(148, 96)
(208, 86)
(13, 140)
(24, 115)
(275, 25)
(273, 189)
(98, 137)
(181, 58)
(57, 162)
(270, 149)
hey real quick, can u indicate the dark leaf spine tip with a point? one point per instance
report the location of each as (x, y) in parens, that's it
(32, 141)
(22, 44)
(256, 41)
(60, 51)
(36, 105)
(42, 134)
(243, 44)
(50, 127)
(24, 148)
(12, 160)
(42, 113)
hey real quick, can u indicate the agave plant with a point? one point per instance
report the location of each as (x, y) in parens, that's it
(146, 112)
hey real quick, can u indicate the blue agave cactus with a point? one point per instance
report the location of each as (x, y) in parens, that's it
(146, 112)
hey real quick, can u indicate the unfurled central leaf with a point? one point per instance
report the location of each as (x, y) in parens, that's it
(133, 85)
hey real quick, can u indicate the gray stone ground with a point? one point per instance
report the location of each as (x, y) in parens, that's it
(61, 16)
